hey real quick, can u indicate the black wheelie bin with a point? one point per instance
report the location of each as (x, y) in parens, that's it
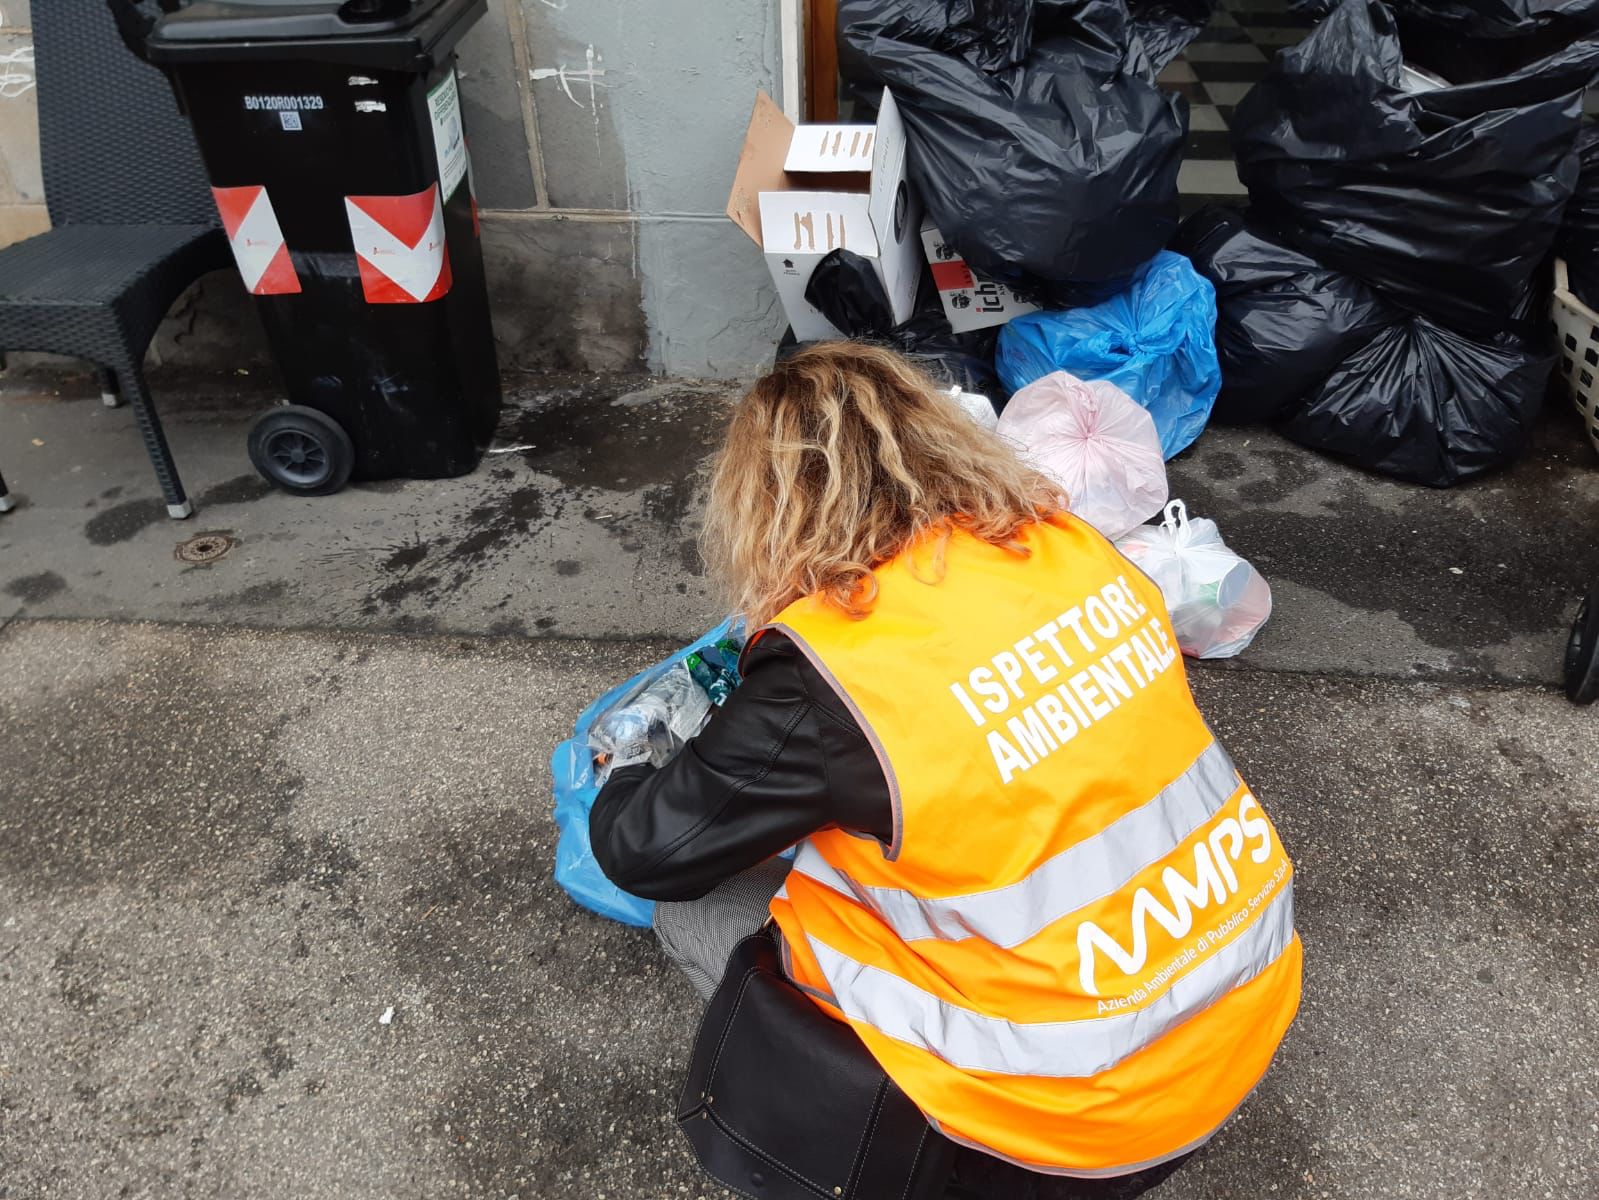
(331, 131)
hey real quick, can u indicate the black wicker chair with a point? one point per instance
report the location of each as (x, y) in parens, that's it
(133, 219)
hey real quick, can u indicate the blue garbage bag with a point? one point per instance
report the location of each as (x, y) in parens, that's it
(1156, 341)
(576, 788)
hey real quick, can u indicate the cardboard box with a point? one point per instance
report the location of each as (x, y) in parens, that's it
(804, 191)
(969, 302)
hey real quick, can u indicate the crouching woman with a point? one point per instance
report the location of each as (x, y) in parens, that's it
(1028, 876)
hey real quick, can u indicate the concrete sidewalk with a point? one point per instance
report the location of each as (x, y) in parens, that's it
(276, 920)
(581, 523)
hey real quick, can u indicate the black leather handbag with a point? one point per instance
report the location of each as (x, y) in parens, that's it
(784, 1103)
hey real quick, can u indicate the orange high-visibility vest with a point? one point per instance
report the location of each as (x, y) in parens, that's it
(1078, 952)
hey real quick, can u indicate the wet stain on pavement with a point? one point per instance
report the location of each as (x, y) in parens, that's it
(322, 863)
(127, 520)
(393, 595)
(689, 558)
(568, 567)
(1224, 465)
(510, 1122)
(241, 489)
(585, 441)
(1533, 766)
(35, 589)
(406, 557)
(276, 1056)
(132, 818)
(241, 1087)
(1414, 551)
(257, 595)
(383, 487)
(666, 510)
(80, 975)
(1290, 471)
(415, 626)
(669, 504)
(488, 531)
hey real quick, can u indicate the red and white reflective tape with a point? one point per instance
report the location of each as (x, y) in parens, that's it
(256, 239)
(400, 246)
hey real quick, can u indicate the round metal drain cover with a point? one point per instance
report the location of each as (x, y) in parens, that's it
(205, 547)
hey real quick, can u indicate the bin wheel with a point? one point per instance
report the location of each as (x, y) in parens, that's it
(1582, 653)
(302, 450)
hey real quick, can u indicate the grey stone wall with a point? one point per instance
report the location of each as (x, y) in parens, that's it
(609, 192)
(603, 135)
(21, 190)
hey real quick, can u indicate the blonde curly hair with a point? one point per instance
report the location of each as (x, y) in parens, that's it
(836, 462)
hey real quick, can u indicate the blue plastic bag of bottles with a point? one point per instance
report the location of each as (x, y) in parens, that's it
(576, 786)
(1156, 341)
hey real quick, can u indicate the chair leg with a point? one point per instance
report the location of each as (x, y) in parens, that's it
(6, 502)
(110, 393)
(132, 386)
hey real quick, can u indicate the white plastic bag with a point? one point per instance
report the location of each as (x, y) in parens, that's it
(976, 406)
(1217, 601)
(1096, 442)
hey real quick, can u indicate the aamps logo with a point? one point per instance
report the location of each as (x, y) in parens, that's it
(1214, 882)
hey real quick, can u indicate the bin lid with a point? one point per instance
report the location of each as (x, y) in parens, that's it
(400, 34)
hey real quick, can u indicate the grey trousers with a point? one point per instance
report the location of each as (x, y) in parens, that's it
(699, 935)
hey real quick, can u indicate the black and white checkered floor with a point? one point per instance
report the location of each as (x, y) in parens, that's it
(1214, 73)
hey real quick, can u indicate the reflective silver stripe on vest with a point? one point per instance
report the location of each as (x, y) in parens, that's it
(1094, 868)
(971, 1041)
(1090, 1172)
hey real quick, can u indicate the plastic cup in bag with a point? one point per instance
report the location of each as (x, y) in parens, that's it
(1217, 601)
(1226, 589)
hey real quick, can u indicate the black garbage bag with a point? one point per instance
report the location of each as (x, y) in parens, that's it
(1427, 404)
(849, 294)
(964, 360)
(1283, 322)
(1468, 41)
(1502, 18)
(1167, 26)
(1452, 47)
(1043, 148)
(1445, 201)
(1481, 18)
(846, 289)
(1578, 242)
(1347, 373)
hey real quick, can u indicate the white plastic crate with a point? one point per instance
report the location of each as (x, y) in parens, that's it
(1577, 330)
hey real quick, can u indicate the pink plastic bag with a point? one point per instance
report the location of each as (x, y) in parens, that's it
(1096, 442)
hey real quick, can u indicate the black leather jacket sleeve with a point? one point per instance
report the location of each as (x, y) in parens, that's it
(780, 760)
